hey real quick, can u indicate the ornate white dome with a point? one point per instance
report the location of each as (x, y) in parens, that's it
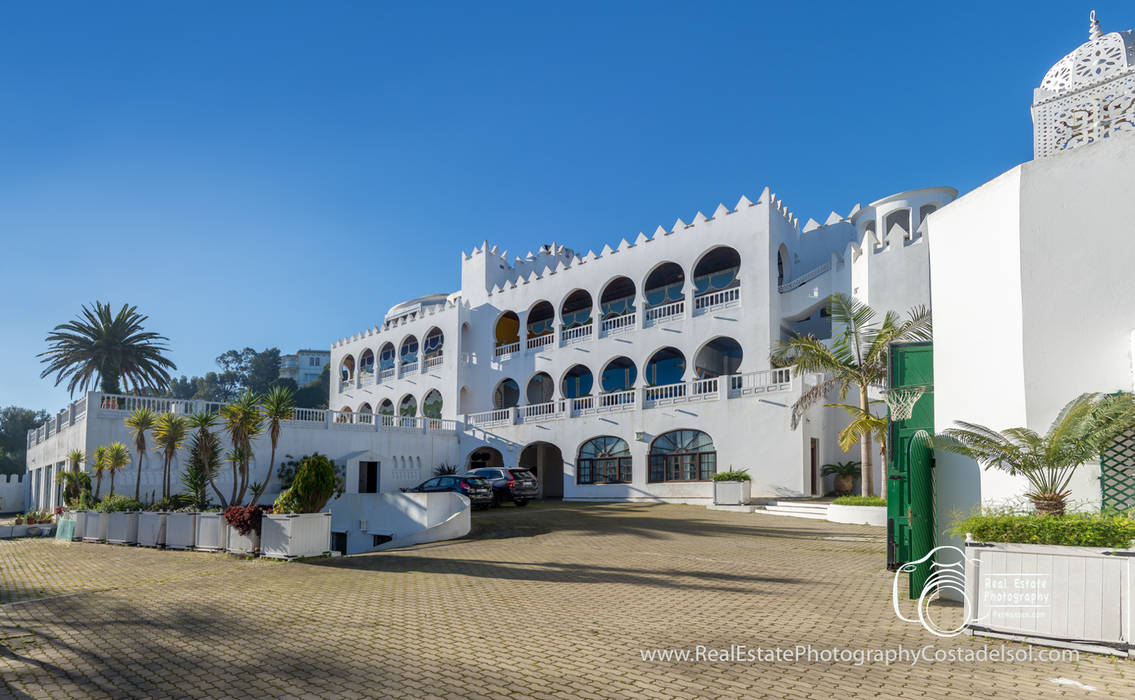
(1102, 57)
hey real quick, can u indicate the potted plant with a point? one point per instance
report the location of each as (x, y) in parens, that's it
(731, 488)
(296, 527)
(152, 526)
(858, 510)
(121, 517)
(844, 473)
(243, 531)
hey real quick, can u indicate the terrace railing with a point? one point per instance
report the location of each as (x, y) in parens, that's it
(540, 341)
(619, 324)
(503, 351)
(713, 301)
(667, 312)
(569, 336)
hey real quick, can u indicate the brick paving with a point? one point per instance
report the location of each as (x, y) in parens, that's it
(550, 601)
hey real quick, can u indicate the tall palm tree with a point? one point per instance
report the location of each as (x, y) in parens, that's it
(74, 457)
(204, 441)
(112, 346)
(99, 466)
(855, 357)
(278, 405)
(170, 431)
(117, 457)
(139, 421)
(1084, 427)
(243, 421)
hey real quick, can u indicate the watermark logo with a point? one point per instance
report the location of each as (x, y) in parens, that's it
(944, 576)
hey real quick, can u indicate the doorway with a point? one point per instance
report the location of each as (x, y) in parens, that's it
(546, 461)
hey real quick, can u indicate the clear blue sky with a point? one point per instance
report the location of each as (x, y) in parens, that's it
(279, 174)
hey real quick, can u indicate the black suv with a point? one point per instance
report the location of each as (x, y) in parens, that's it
(516, 485)
(477, 490)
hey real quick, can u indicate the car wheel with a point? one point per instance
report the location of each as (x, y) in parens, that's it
(521, 502)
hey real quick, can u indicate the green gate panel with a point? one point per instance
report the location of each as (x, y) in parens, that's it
(1117, 473)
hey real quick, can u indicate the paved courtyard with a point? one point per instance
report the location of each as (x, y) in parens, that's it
(552, 601)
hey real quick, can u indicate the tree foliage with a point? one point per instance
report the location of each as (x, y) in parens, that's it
(15, 422)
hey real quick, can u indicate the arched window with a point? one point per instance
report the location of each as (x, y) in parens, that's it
(717, 270)
(365, 414)
(366, 362)
(682, 455)
(541, 318)
(577, 382)
(718, 357)
(386, 357)
(576, 310)
(782, 265)
(926, 210)
(619, 375)
(432, 347)
(900, 218)
(667, 366)
(540, 388)
(386, 408)
(408, 407)
(508, 329)
(664, 285)
(604, 460)
(347, 368)
(409, 352)
(431, 404)
(617, 298)
(506, 395)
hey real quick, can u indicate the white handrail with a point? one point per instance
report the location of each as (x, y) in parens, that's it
(805, 278)
(619, 323)
(717, 300)
(667, 311)
(574, 335)
(540, 341)
(508, 349)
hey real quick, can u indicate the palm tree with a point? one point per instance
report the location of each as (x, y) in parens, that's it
(99, 466)
(206, 445)
(1082, 429)
(139, 421)
(856, 356)
(74, 457)
(278, 405)
(113, 347)
(117, 457)
(243, 421)
(170, 431)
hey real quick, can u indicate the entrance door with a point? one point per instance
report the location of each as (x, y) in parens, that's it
(547, 462)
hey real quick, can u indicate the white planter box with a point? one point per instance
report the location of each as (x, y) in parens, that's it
(181, 530)
(82, 518)
(1076, 597)
(858, 515)
(19, 530)
(122, 528)
(241, 544)
(294, 536)
(210, 532)
(151, 529)
(95, 530)
(731, 493)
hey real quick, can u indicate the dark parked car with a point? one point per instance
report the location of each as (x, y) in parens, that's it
(516, 485)
(477, 490)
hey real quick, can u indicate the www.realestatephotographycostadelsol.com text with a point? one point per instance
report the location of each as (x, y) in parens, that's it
(807, 653)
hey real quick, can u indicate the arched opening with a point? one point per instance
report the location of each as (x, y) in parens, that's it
(667, 366)
(408, 355)
(541, 387)
(366, 363)
(546, 461)
(345, 415)
(386, 360)
(900, 218)
(924, 211)
(408, 407)
(541, 324)
(506, 395)
(365, 415)
(386, 408)
(465, 401)
(466, 342)
(783, 265)
(484, 457)
(577, 382)
(663, 292)
(716, 276)
(604, 460)
(616, 304)
(508, 330)
(682, 455)
(576, 309)
(717, 358)
(347, 368)
(620, 374)
(432, 347)
(431, 404)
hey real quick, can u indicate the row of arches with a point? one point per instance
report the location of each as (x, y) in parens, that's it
(716, 270)
(407, 406)
(406, 354)
(719, 357)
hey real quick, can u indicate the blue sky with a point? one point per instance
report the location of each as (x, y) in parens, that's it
(279, 174)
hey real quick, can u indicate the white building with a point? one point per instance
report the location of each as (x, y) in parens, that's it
(304, 366)
(1031, 273)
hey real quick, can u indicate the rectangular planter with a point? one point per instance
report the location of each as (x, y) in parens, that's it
(731, 493)
(1072, 597)
(181, 530)
(82, 517)
(294, 536)
(237, 543)
(151, 529)
(210, 532)
(95, 530)
(122, 528)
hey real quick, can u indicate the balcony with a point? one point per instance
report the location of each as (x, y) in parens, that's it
(715, 301)
(666, 313)
(618, 324)
(578, 334)
(539, 341)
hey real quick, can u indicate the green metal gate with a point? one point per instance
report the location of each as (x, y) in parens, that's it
(910, 462)
(1117, 473)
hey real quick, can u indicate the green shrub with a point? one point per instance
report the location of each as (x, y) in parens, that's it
(176, 502)
(316, 481)
(1074, 530)
(859, 501)
(118, 503)
(739, 475)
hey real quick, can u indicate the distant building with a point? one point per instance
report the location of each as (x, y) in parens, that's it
(304, 366)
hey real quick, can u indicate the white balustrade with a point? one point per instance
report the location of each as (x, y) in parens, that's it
(539, 412)
(582, 405)
(569, 336)
(408, 370)
(540, 341)
(663, 395)
(712, 301)
(619, 324)
(666, 312)
(500, 416)
(503, 351)
(435, 361)
(761, 382)
(386, 375)
(704, 388)
(310, 415)
(804, 278)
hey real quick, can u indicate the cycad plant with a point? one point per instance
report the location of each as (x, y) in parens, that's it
(117, 457)
(74, 457)
(854, 358)
(139, 421)
(243, 421)
(170, 431)
(277, 406)
(1081, 431)
(99, 467)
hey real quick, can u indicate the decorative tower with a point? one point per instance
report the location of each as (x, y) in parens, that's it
(1088, 96)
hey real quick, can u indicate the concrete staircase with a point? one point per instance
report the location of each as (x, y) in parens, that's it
(797, 509)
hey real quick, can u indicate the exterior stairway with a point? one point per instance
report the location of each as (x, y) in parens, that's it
(798, 509)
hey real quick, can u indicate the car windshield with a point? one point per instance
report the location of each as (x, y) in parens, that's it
(521, 474)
